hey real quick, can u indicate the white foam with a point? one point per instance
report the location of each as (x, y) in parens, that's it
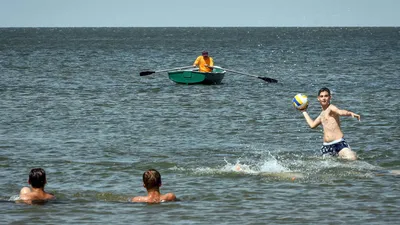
(273, 166)
(14, 198)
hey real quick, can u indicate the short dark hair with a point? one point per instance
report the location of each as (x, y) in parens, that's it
(324, 89)
(37, 177)
(152, 179)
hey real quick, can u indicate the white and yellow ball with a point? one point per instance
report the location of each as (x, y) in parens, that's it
(300, 101)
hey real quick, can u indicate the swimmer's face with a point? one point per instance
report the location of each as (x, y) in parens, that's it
(324, 98)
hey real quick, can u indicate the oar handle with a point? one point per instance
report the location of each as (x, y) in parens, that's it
(148, 72)
(177, 68)
(232, 71)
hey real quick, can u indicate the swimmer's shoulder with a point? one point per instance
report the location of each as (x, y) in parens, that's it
(50, 196)
(24, 190)
(139, 199)
(169, 197)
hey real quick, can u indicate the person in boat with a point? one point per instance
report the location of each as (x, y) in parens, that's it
(334, 142)
(152, 183)
(204, 62)
(35, 194)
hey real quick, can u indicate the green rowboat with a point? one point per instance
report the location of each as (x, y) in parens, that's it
(195, 77)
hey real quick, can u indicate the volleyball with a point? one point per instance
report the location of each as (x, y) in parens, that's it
(300, 101)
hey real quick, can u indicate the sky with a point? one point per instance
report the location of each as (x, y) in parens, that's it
(200, 13)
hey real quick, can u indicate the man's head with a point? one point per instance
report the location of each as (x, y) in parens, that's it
(324, 89)
(204, 53)
(324, 97)
(151, 179)
(37, 178)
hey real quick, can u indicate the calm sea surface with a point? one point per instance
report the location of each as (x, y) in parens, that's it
(73, 103)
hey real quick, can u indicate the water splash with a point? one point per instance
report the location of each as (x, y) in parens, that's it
(293, 166)
(14, 198)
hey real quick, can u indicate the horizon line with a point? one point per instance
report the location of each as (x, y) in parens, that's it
(349, 26)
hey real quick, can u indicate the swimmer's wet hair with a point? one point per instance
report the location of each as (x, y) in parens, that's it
(37, 177)
(152, 179)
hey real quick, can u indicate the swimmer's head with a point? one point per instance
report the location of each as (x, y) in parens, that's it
(152, 179)
(37, 178)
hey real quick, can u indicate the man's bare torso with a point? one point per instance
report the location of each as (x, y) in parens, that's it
(331, 125)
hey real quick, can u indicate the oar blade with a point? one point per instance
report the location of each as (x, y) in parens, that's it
(269, 80)
(145, 73)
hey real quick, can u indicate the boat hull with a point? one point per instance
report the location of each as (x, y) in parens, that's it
(196, 77)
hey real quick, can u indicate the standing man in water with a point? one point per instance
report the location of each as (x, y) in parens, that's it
(152, 183)
(204, 62)
(37, 180)
(334, 142)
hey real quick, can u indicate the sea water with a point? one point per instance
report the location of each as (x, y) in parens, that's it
(72, 102)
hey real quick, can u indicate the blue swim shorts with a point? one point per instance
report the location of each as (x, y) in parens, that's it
(333, 148)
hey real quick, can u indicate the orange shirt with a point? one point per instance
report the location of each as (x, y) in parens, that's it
(202, 61)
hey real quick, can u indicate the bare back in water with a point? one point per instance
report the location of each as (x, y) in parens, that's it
(155, 197)
(34, 195)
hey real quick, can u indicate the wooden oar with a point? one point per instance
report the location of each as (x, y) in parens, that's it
(148, 72)
(267, 79)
